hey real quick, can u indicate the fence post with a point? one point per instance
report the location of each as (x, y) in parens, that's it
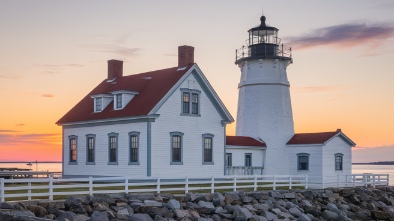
(290, 181)
(306, 181)
(90, 186)
(29, 191)
(126, 185)
(373, 181)
(50, 188)
(186, 184)
(365, 180)
(388, 179)
(255, 182)
(274, 187)
(212, 184)
(158, 185)
(2, 190)
(235, 184)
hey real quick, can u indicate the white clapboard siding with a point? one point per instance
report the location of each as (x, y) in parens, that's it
(193, 127)
(315, 161)
(101, 167)
(238, 155)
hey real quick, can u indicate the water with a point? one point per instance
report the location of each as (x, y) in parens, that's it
(376, 169)
(57, 167)
(51, 167)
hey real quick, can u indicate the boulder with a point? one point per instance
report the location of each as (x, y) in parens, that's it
(270, 216)
(66, 216)
(242, 212)
(295, 212)
(99, 216)
(100, 198)
(6, 216)
(258, 218)
(304, 217)
(179, 213)
(5, 205)
(173, 204)
(81, 217)
(328, 215)
(140, 217)
(38, 210)
(206, 204)
(153, 203)
(75, 200)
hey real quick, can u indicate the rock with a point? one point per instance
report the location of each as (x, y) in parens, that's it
(205, 210)
(250, 208)
(75, 200)
(270, 216)
(282, 215)
(276, 194)
(228, 199)
(206, 204)
(246, 199)
(123, 213)
(5, 205)
(289, 195)
(100, 198)
(136, 205)
(307, 194)
(380, 215)
(81, 217)
(99, 216)
(204, 219)
(153, 211)
(77, 208)
(304, 217)
(218, 202)
(173, 204)
(140, 197)
(38, 210)
(179, 213)
(242, 212)
(153, 203)
(346, 192)
(295, 212)
(24, 213)
(328, 215)
(159, 218)
(6, 216)
(332, 207)
(306, 203)
(140, 217)
(51, 216)
(194, 214)
(257, 218)
(66, 216)
(53, 211)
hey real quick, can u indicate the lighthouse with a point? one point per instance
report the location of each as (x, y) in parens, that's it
(264, 105)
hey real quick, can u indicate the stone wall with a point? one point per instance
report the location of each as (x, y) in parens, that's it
(329, 204)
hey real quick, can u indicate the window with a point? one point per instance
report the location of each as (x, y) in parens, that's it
(134, 147)
(194, 103)
(113, 148)
(207, 151)
(303, 161)
(190, 102)
(176, 147)
(119, 103)
(248, 159)
(99, 104)
(338, 161)
(90, 144)
(73, 148)
(229, 159)
(186, 103)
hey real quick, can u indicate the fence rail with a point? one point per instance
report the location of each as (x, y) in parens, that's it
(48, 188)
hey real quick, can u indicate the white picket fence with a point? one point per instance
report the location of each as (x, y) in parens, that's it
(47, 188)
(50, 187)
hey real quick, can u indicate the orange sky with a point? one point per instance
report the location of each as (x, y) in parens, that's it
(53, 53)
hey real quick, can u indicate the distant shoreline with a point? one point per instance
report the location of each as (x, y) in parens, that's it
(30, 162)
(376, 163)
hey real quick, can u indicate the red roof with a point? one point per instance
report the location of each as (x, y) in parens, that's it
(243, 141)
(152, 87)
(317, 138)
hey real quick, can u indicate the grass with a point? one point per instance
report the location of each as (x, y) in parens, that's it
(70, 190)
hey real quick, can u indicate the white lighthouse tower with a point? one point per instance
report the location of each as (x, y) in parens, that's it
(264, 106)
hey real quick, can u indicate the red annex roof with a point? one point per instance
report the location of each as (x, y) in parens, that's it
(152, 87)
(317, 138)
(243, 141)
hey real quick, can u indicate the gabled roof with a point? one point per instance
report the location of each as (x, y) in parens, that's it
(318, 138)
(244, 141)
(152, 87)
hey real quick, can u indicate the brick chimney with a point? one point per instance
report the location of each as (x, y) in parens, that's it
(185, 56)
(115, 69)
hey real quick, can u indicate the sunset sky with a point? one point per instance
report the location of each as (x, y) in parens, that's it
(52, 53)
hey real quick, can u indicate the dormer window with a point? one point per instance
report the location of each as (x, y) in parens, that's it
(122, 98)
(99, 104)
(119, 104)
(101, 101)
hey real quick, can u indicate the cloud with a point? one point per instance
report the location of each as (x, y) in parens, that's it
(318, 88)
(115, 49)
(47, 95)
(56, 68)
(8, 131)
(345, 36)
(28, 139)
(19, 125)
(373, 154)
